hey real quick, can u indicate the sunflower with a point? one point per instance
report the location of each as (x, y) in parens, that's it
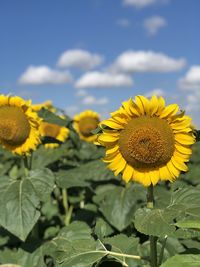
(147, 141)
(58, 132)
(84, 123)
(18, 125)
(47, 104)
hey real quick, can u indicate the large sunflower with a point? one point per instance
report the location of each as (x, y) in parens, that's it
(58, 132)
(147, 141)
(18, 125)
(84, 123)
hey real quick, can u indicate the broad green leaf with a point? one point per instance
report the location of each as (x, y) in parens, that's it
(124, 245)
(22, 258)
(43, 182)
(74, 246)
(118, 205)
(183, 260)
(18, 207)
(184, 205)
(94, 170)
(50, 117)
(64, 180)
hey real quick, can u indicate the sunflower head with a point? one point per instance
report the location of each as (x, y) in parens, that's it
(18, 125)
(58, 132)
(84, 123)
(147, 141)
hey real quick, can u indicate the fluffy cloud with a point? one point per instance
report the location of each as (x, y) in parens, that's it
(91, 100)
(157, 92)
(139, 3)
(103, 80)
(153, 24)
(146, 61)
(191, 81)
(71, 110)
(79, 58)
(38, 75)
(125, 23)
(81, 93)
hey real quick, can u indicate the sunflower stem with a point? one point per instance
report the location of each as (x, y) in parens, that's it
(152, 239)
(26, 165)
(68, 209)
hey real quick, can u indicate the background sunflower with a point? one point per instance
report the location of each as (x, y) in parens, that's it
(84, 123)
(18, 125)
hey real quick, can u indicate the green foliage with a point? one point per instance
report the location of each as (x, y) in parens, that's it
(70, 210)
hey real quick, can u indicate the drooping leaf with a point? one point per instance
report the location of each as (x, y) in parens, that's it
(18, 207)
(50, 117)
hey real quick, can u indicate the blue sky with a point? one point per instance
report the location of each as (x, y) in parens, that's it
(110, 49)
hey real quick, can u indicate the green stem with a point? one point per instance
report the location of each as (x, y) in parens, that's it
(162, 251)
(68, 209)
(26, 165)
(152, 239)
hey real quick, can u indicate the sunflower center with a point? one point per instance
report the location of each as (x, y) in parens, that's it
(86, 125)
(50, 129)
(14, 126)
(147, 142)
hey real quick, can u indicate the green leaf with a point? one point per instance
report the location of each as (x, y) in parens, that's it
(102, 229)
(50, 117)
(94, 170)
(22, 258)
(64, 180)
(184, 260)
(74, 246)
(18, 207)
(119, 204)
(192, 224)
(43, 182)
(124, 245)
(184, 206)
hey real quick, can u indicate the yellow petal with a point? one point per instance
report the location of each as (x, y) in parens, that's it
(180, 165)
(184, 139)
(183, 149)
(154, 176)
(117, 162)
(169, 111)
(112, 124)
(127, 173)
(153, 105)
(108, 138)
(165, 174)
(112, 150)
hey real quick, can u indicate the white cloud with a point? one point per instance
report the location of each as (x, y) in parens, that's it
(153, 24)
(79, 58)
(146, 61)
(38, 75)
(91, 100)
(157, 92)
(139, 3)
(191, 81)
(125, 23)
(96, 79)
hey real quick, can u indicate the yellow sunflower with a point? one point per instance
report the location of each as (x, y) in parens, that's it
(147, 141)
(47, 104)
(84, 123)
(19, 125)
(58, 132)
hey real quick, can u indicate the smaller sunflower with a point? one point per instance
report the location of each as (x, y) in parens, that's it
(47, 104)
(84, 123)
(19, 125)
(58, 132)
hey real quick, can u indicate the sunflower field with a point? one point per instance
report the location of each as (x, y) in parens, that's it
(86, 192)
